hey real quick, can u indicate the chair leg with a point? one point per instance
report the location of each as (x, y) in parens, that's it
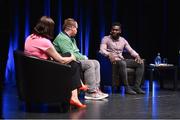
(115, 89)
(28, 107)
(65, 106)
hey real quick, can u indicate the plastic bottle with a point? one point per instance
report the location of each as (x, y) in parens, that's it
(157, 59)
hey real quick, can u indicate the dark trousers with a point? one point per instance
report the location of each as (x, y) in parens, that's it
(122, 70)
(76, 78)
(75, 72)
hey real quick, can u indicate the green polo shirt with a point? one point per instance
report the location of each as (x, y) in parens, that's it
(63, 44)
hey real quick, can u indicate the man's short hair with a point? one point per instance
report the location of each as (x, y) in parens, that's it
(69, 22)
(116, 24)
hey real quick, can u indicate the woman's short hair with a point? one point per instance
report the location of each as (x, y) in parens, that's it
(68, 23)
(45, 27)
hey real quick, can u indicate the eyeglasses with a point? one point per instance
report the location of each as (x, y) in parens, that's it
(75, 27)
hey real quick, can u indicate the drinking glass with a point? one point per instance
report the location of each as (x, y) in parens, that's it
(165, 61)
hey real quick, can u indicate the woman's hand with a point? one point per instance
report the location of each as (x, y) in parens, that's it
(69, 59)
(73, 57)
(57, 57)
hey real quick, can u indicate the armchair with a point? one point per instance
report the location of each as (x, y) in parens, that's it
(42, 81)
(109, 73)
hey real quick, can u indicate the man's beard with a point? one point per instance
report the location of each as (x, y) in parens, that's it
(73, 35)
(115, 37)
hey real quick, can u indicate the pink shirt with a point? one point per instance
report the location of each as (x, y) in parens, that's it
(36, 46)
(116, 47)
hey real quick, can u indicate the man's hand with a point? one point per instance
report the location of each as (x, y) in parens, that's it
(86, 58)
(139, 60)
(113, 58)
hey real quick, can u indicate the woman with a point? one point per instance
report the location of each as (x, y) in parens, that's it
(38, 44)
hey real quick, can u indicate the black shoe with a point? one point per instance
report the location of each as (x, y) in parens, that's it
(138, 90)
(128, 90)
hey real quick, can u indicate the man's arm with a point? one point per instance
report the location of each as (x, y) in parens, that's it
(103, 47)
(134, 53)
(130, 50)
(103, 50)
(66, 46)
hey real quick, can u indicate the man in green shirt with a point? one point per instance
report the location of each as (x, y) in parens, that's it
(64, 43)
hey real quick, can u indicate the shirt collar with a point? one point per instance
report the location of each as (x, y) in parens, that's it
(114, 39)
(68, 35)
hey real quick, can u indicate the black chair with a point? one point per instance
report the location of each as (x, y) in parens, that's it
(42, 81)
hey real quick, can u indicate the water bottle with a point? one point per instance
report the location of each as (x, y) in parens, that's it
(157, 60)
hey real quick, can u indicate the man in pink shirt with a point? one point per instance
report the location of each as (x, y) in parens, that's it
(112, 47)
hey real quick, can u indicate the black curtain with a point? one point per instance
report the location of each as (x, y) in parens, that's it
(150, 26)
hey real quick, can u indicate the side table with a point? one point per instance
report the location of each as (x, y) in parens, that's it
(162, 67)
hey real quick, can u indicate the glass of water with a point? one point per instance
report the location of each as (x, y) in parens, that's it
(165, 61)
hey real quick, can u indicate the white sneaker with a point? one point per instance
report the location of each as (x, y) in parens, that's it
(101, 93)
(93, 96)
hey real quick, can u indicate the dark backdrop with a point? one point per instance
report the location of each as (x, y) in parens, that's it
(150, 26)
